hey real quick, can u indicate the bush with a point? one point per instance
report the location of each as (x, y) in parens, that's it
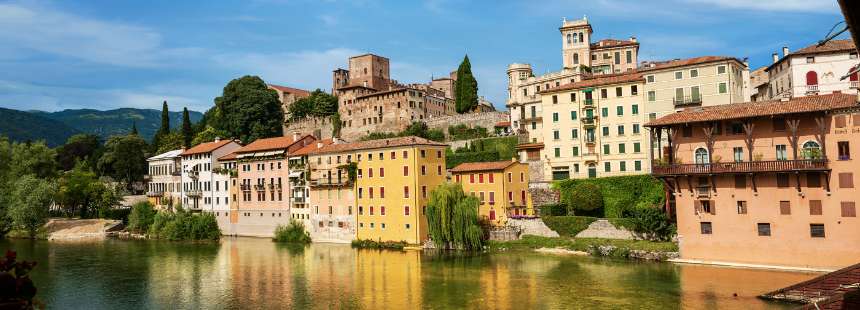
(141, 217)
(292, 233)
(553, 210)
(115, 213)
(464, 132)
(505, 146)
(620, 194)
(454, 159)
(568, 226)
(183, 225)
(385, 245)
(653, 224)
(584, 197)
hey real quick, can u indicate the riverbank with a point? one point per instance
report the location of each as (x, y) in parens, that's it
(65, 229)
(636, 249)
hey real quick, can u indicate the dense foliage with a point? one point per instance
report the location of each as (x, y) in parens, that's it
(452, 218)
(583, 197)
(417, 129)
(465, 132)
(465, 88)
(652, 224)
(248, 110)
(30, 199)
(483, 150)
(79, 147)
(454, 159)
(292, 233)
(169, 142)
(81, 193)
(141, 217)
(568, 226)
(16, 287)
(207, 135)
(26, 170)
(318, 104)
(183, 225)
(187, 130)
(124, 159)
(621, 195)
(370, 244)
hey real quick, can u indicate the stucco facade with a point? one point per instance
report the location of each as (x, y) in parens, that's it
(769, 183)
(203, 189)
(165, 179)
(813, 70)
(331, 204)
(501, 187)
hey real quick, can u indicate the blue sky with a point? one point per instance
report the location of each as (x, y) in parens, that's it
(107, 54)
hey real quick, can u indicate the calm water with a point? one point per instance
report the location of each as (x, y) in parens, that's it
(256, 273)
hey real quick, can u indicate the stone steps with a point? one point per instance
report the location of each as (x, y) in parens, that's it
(534, 227)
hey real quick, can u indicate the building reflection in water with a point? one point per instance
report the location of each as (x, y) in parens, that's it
(707, 287)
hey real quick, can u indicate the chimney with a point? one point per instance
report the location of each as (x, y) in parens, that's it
(295, 135)
(775, 57)
(217, 139)
(632, 38)
(784, 51)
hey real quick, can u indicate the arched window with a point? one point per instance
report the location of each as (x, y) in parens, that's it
(702, 156)
(592, 170)
(580, 38)
(811, 150)
(575, 59)
(811, 78)
(568, 39)
(853, 77)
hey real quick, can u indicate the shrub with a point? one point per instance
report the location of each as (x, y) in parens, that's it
(652, 224)
(620, 194)
(553, 210)
(455, 159)
(115, 213)
(384, 245)
(584, 197)
(141, 217)
(292, 233)
(183, 225)
(568, 226)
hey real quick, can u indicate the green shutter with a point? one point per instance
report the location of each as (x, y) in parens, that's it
(575, 151)
(606, 149)
(636, 148)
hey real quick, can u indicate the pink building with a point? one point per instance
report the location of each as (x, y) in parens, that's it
(764, 183)
(262, 174)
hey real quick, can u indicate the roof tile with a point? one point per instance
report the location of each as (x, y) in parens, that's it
(206, 147)
(483, 166)
(376, 144)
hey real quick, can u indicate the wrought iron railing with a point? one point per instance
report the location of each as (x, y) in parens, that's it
(741, 167)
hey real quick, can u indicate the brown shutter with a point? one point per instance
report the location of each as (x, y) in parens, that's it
(697, 207)
(740, 181)
(784, 207)
(848, 209)
(846, 180)
(840, 121)
(713, 207)
(815, 207)
(813, 179)
(856, 119)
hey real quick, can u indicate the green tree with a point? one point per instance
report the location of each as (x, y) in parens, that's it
(81, 193)
(653, 224)
(207, 135)
(124, 159)
(164, 129)
(134, 128)
(169, 142)
(292, 233)
(465, 88)
(80, 147)
(248, 110)
(30, 200)
(187, 132)
(33, 158)
(452, 218)
(584, 197)
(318, 104)
(141, 217)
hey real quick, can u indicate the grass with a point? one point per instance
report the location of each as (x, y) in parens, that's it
(41, 234)
(370, 244)
(581, 244)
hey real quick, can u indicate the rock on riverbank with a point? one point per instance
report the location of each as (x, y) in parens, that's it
(79, 229)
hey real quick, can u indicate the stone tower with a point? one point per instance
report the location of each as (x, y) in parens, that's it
(369, 70)
(575, 42)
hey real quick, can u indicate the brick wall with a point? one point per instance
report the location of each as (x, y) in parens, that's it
(316, 126)
(485, 119)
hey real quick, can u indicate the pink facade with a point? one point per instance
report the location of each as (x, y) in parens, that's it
(767, 183)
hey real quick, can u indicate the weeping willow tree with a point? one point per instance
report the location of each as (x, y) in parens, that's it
(452, 217)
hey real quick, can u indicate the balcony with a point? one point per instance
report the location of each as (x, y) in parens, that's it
(194, 174)
(590, 140)
(687, 100)
(811, 89)
(589, 157)
(588, 121)
(275, 186)
(245, 187)
(533, 118)
(194, 193)
(298, 200)
(855, 84)
(259, 187)
(329, 182)
(588, 103)
(703, 191)
(742, 167)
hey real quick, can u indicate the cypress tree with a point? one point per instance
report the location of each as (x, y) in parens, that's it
(187, 132)
(466, 88)
(134, 128)
(165, 127)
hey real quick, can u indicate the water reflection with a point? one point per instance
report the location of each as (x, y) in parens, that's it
(256, 273)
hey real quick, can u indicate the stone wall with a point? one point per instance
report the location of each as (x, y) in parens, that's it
(535, 170)
(605, 230)
(542, 194)
(319, 127)
(485, 119)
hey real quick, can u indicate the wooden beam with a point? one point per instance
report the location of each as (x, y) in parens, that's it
(793, 125)
(709, 135)
(821, 135)
(690, 183)
(827, 181)
(713, 183)
(748, 138)
(754, 186)
(797, 177)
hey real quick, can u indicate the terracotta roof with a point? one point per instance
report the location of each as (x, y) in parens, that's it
(231, 156)
(599, 80)
(206, 147)
(296, 91)
(376, 144)
(687, 62)
(311, 147)
(268, 144)
(483, 166)
(757, 109)
(610, 43)
(530, 146)
(831, 46)
(503, 124)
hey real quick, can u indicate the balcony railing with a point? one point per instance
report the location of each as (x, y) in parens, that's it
(533, 119)
(855, 84)
(703, 191)
(275, 186)
(742, 167)
(299, 200)
(245, 187)
(811, 88)
(194, 174)
(259, 187)
(329, 182)
(588, 102)
(194, 193)
(588, 121)
(688, 100)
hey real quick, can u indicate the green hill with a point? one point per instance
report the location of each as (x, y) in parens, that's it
(24, 126)
(118, 121)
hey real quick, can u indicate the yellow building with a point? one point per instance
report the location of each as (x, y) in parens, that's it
(502, 188)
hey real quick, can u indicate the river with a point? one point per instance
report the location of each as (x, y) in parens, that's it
(259, 274)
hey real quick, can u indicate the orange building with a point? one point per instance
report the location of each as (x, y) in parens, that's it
(501, 186)
(764, 183)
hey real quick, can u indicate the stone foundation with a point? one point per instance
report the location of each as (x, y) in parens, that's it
(605, 230)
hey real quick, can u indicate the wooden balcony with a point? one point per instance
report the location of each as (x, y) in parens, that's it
(742, 167)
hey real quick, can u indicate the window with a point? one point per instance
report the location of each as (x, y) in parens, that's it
(785, 207)
(811, 150)
(555, 135)
(622, 166)
(557, 152)
(739, 154)
(621, 148)
(606, 149)
(381, 172)
(763, 229)
(554, 99)
(705, 206)
(574, 133)
(634, 90)
(702, 156)
(620, 130)
(573, 115)
(810, 59)
(480, 178)
(634, 109)
(652, 95)
(742, 207)
(635, 128)
(679, 75)
(572, 97)
(406, 192)
(605, 131)
(848, 209)
(607, 167)
(617, 58)
(619, 110)
(694, 73)
(604, 112)
(603, 93)
(575, 151)
(555, 117)
(650, 79)
(423, 154)
(782, 180)
(816, 230)
(846, 180)
(637, 165)
(815, 207)
(706, 228)
(721, 69)
(844, 151)
(618, 92)
(637, 147)
(722, 88)
(781, 153)
(405, 171)
(629, 55)
(679, 95)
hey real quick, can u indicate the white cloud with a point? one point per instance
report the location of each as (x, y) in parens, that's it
(775, 5)
(28, 96)
(45, 29)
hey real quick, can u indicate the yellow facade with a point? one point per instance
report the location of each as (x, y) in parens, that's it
(503, 191)
(392, 190)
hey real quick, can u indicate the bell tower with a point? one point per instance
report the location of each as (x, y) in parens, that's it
(575, 42)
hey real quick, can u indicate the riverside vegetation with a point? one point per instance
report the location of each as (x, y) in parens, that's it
(292, 233)
(178, 225)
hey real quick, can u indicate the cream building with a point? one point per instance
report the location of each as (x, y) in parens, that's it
(165, 179)
(593, 128)
(202, 188)
(813, 70)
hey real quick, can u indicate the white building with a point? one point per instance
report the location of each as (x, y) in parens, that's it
(813, 70)
(203, 189)
(165, 178)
